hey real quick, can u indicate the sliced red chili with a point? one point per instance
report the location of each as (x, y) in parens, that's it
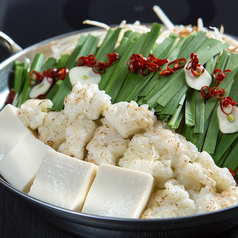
(50, 73)
(55, 74)
(166, 72)
(99, 68)
(205, 92)
(36, 77)
(62, 73)
(145, 65)
(232, 173)
(193, 65)
(217, 92)
(225, 102)
(89, 61)
(10, 96)
(111, 59)
(151, 58)
(41, 96)
(220, 75)
(177, 64)
(135, 62)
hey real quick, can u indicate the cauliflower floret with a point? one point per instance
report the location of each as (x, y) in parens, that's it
(87, 100)
(142, 155)
(222, 176)
(173, 201)
(106, 146)
(129, 118)
(171, 146)
(33, 112)
(208, 200)
(78, 133)
(52, 132)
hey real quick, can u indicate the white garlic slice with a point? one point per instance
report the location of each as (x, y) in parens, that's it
(228, 123)
(197, 82)
(84, 75)
(40, 88)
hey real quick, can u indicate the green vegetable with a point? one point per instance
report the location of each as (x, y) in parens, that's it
(37, 64)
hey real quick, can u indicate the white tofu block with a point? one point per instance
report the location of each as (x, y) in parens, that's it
(118, 192)
(12, 130)
(21, 164)
(63, 180)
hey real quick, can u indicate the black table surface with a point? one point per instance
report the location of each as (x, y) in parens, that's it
(19, 220)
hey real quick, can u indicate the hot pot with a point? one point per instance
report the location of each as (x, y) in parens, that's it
(84, 225)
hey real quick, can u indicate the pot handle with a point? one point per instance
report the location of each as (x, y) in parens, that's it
(9, 43)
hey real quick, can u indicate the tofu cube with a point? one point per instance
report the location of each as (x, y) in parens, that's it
(118, 192)
(21, 164)
(12, 130)
(63, 180)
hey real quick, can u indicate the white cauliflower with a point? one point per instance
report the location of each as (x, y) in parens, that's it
(86, 100)
(106, 146)
(143, 156)
(129, 118)
(222, 176)
(173, 201)
(171, 146)
(208, 200)
(33, 112)
(52, 131)
(78, 133)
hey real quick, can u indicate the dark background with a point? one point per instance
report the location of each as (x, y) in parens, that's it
(30, 21)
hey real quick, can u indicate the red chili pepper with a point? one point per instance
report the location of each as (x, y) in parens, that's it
(205, 92)
(151, 58)
(41, 96)
(218, 92)
(51, 74)
(219, 75)
(62, 73)
(225, 102)
(99, 68)
(166, 72)
(196, 68)
(176, 66)
(36, 77)
(215, 92)
(111, 59)
(10, 96)
(232, 173)
(145, 65)
(136, 62)
(89, 61)
(54, 73)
